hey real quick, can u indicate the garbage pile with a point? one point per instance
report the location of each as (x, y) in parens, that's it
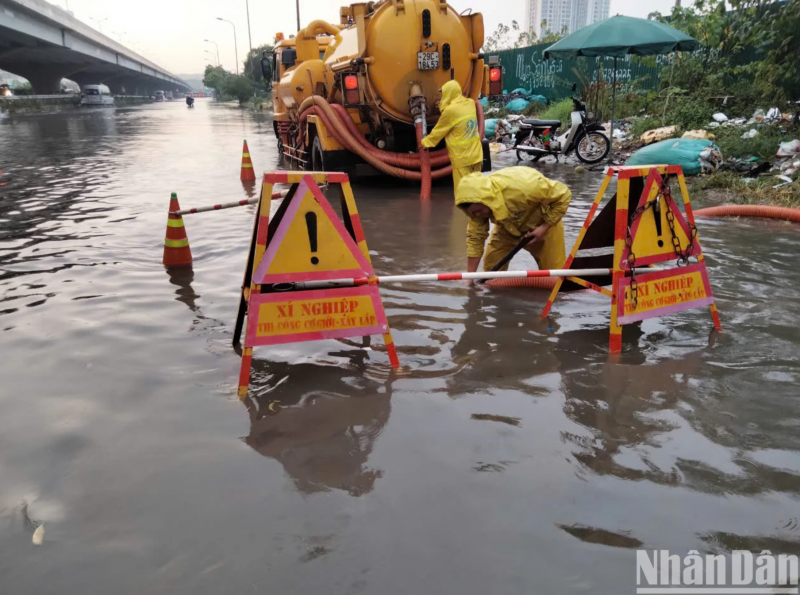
(773, 115)
(516, 101)
(695, 156)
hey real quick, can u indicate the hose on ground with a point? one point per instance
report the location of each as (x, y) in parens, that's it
(534, 282)
(766, 211)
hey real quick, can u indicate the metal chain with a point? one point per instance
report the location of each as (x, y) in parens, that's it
(631, 256)
(683, 255)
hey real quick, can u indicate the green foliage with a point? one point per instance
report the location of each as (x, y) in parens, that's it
(214, 77)
(252, 65)
(506, 38)
(239, 86)
(641, 125)
(764, 145)
(751, 51)
(729, 187)
(559, 111)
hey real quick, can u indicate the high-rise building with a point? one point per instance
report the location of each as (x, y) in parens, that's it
(558, 14)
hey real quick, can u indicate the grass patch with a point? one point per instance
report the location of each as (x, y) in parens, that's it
(764, 145)
(559, 111)
(727, 187)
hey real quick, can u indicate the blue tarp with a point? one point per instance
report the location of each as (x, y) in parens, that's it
(517, 105)
(489, 127)
(674, 151)
(485, 101)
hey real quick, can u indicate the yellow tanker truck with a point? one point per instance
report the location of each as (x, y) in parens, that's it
(359, 95)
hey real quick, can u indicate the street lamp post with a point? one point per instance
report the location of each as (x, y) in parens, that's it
(99, 23)
(235, 48)
(297, 5)
(213, 61)
(250, 40)
(216, 46)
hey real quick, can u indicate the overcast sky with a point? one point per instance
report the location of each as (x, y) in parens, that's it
(171, 32)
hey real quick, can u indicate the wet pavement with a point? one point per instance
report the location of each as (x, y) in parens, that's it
(507, 455)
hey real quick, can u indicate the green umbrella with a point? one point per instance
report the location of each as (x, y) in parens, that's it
(617, 37)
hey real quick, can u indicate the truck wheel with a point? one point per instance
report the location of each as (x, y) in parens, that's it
(317, 155)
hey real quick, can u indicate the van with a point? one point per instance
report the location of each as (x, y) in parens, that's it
(160, 95)
(96, 95)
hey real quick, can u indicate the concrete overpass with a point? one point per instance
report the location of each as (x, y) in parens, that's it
(43, 43)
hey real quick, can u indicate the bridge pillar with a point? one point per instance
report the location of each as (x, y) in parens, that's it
(45, 81)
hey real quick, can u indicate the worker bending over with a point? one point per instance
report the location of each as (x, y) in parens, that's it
(458, 125)
(520, 202)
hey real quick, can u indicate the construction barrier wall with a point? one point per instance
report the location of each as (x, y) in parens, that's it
(526, 68)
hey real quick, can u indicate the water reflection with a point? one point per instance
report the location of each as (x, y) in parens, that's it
(323, 438)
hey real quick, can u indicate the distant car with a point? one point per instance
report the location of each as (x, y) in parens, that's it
(96, 95)
(5, 90)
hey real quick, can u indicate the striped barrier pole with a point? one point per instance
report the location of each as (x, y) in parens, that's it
(450, 277)
(226, 205)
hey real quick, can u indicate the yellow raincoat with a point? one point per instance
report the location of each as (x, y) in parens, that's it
(458, 125)
(521, 199)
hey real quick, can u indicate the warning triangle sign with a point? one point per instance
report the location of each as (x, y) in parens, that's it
(310, 243)
(654, 228)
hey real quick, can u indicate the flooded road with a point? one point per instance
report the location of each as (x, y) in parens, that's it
(507, 455)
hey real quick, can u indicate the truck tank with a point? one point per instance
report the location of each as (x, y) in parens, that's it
(365, 84)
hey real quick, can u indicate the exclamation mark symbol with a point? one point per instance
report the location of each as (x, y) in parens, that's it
(311, 224)
(657, 216)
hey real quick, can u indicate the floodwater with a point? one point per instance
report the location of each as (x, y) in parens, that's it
(506, 456)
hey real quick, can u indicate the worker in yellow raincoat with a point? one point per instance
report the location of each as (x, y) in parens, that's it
(520, 202)
(458, 125)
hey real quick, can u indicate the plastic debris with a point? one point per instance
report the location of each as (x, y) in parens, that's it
(698, 134)
(694, 156)
(619, 134)
(789, 149)
(714, 125)
(38, 535)
(758, 115)
(517, 105)
(786, 181)
(752, 133)
(773, 114)
(720, 117)
(658, 134)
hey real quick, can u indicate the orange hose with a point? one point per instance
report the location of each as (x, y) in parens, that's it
(481, 118)
(338, 130)
(425, 163)
(439, 158)
(751, 211)
(535, 282)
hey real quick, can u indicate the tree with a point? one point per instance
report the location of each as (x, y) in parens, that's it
(505, 38)
(252, 64)
(215, 78)
(513, 37)
(239, 86)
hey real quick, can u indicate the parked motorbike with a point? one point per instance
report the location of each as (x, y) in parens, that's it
(537, 138)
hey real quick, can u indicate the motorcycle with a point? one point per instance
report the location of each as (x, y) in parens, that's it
(534, 138)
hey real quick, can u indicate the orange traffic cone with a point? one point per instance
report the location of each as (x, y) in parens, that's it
(176, 244)
(247, 165)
